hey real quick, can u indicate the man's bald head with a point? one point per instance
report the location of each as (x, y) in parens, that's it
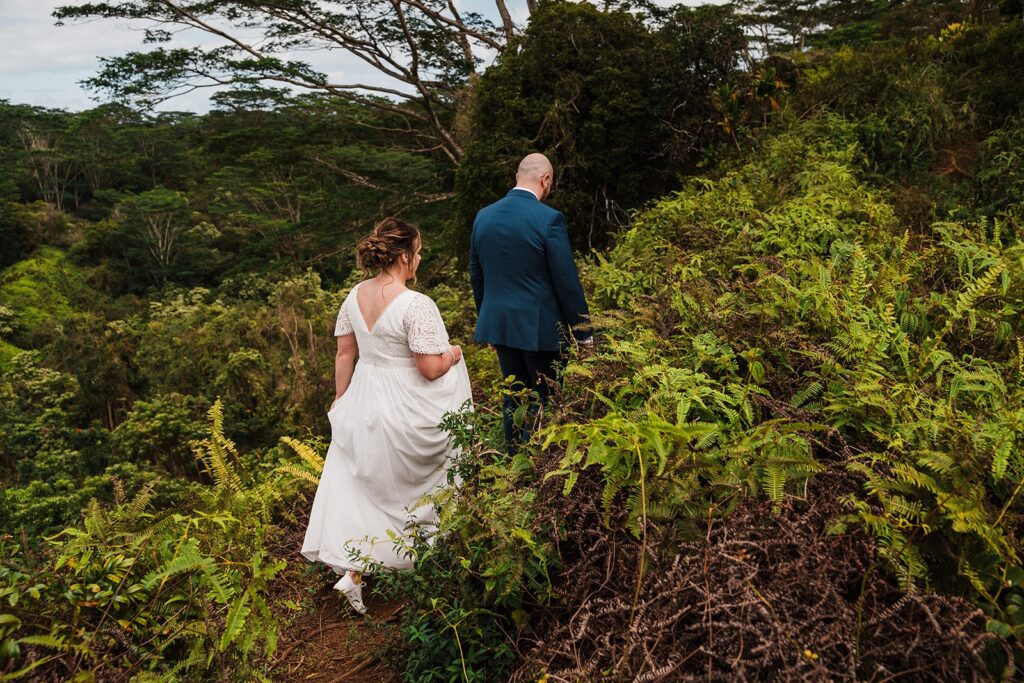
(533, 166)
(536, 173)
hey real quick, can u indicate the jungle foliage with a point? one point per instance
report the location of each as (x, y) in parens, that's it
(150, 591)
(760, 330)
(794, 452)
(839, 307)
(620, 105)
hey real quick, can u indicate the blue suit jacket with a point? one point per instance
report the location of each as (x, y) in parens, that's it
(525, 282)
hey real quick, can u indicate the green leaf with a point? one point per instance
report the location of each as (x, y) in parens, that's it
(999, 628)
(235, 621)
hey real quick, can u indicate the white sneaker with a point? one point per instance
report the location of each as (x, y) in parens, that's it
(352, 591)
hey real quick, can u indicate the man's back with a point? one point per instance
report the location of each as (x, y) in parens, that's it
(524, 279)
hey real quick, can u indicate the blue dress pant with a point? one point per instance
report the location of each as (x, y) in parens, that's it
(535, 370)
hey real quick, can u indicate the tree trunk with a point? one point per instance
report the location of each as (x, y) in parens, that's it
(506, 20)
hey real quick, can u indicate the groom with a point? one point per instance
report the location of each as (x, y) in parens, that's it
(527, 290)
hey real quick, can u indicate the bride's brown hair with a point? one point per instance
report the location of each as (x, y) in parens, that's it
(390, 239)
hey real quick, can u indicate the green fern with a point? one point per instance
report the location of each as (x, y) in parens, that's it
(306, 453)
(773, 478)
(801, 397)
(311, 464)
(217, 454)
(234, 623)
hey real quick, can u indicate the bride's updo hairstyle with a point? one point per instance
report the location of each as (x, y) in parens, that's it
(390, 239)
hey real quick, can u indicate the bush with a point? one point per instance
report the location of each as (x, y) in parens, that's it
(180, 592)
(475, 584)
(759, 331)
(1000, 174)
(159, 432)
(43, 291)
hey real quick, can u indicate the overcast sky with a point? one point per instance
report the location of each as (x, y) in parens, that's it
(42, 64)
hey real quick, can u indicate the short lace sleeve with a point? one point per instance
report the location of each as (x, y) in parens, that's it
(344, 324)
(424, 328)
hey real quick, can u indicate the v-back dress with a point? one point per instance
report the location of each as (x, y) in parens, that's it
(386, 449)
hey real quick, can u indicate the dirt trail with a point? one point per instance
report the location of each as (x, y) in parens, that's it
(327, 640)
(331, 644)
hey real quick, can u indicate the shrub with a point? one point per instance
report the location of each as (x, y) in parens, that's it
(138, 588)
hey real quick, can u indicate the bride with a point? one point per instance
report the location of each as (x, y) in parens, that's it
(386, 449)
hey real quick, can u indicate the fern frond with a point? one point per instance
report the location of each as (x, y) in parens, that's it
(136, 508)
(773, 480)
(235, 621)
(968, 298)
(306, 453)
(859, 276)
(52, 642)
(217, 453)
(801, 397)
(188, 559)
(911, 475)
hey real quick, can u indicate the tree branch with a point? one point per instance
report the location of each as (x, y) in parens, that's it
(506, 20)
(467, 49)
(454, 23)
(420, 43)
(366, 182)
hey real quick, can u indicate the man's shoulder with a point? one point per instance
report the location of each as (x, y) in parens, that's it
(491, 207)
(522, 211)
(519, 202)
(547, 211)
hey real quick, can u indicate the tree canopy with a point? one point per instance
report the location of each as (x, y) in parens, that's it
(423, 52)
(619, 104)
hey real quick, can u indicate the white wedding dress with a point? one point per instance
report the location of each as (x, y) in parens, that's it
(386, 449)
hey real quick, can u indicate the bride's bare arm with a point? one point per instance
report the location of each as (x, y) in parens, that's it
(344, 363)
(433, 366)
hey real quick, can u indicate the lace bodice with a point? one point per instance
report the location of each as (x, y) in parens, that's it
(409, 324)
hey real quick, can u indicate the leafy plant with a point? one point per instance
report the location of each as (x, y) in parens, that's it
(181, 592)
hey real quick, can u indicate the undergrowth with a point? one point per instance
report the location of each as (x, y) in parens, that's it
(153, 593)
(755, 331)
(795, 450)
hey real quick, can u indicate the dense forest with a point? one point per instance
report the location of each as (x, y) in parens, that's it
(796, 451)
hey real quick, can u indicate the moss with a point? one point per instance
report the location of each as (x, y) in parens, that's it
(7, 353)
(41, 290)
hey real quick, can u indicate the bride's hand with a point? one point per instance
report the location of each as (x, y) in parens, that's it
(456, 353)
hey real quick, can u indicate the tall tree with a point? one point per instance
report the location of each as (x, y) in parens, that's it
(781, 23)
(621, 106)
(42, 144)
(94, 138)
(423, 50)
(154, 224)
